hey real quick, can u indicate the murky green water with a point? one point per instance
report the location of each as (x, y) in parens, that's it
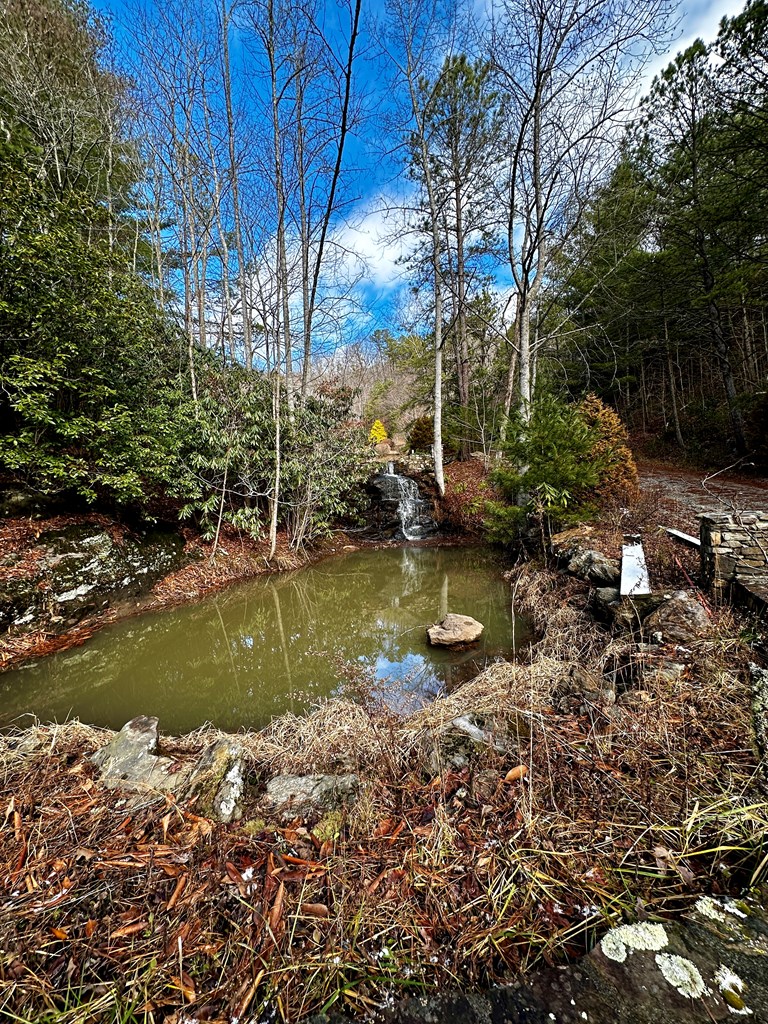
(276, 644)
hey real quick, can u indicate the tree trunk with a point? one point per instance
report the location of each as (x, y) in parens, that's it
(245, 308)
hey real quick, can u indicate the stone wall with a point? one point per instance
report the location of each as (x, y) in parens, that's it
(734, 549)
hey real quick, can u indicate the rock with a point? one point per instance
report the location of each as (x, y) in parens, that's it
(399, 507)
(679, 619)
(595, 567)
(218, 781)
(581, 686)
(605, 602)
(567, 542)
(16, 502)
(626, 613)
(26, 743)
(663, 670)
(83, 568)
(648, 667)
(634, 699)
(455, 631)
(310, 796)
(383, 448)
(455, 744)
(130, 760)
(707, 967)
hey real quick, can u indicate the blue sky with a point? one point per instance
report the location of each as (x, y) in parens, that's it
(383, 285)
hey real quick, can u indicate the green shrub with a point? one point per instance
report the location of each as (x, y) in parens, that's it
(559, 466)
(421, 436)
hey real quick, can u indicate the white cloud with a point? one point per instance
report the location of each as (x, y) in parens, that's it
(700, 20)
(373, 244)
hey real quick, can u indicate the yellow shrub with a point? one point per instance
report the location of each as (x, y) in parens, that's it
(378, 432)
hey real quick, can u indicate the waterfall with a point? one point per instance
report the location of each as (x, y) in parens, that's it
(413, 512)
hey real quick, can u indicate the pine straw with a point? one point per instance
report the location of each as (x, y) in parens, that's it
(460, 878)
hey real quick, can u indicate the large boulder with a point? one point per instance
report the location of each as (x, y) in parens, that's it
(455, 631)
(679, 619)
(595, 567)
(709, 966)
(309, 796)
(131, 760)
(625, 613)
(82, 569)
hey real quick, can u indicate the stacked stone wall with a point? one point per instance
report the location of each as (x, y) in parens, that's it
(734, 549)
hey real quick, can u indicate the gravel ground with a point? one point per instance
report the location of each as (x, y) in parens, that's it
(693, 493)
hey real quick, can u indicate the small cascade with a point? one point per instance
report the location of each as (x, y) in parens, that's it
(401, 495)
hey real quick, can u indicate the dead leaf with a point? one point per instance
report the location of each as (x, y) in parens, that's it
(186, 985)
(314, 910)
(276, 912)
(178, 890)
(129, 929)
(664, 859)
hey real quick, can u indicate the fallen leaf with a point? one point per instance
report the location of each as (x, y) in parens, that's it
(276, 912)
(314, 910)
(129, 929)
(186, 985)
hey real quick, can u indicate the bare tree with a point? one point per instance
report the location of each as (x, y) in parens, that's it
(570, 69)
(415, 38)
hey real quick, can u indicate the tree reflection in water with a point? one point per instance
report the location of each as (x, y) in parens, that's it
(275, 644)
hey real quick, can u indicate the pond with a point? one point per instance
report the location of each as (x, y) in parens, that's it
(240, 657)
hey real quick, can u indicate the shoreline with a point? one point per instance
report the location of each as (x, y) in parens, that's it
(198, 578)
(473, 855)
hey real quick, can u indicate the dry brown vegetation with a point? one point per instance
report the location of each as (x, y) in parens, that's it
(467, 489)
(431, 879)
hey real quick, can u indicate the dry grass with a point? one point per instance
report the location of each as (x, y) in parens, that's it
(430, 880)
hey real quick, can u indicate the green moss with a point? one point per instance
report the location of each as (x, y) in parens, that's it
(254, 826)
(329, 827)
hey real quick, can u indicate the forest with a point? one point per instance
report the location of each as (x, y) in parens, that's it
(188, 310)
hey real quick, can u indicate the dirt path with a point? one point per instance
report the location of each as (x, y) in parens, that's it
(693, 493)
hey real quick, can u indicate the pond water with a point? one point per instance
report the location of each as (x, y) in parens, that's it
(278, 643)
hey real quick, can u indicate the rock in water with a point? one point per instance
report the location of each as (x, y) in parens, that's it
(455, 631)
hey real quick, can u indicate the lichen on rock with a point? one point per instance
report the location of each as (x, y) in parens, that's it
(682, 974)
(619, 942)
